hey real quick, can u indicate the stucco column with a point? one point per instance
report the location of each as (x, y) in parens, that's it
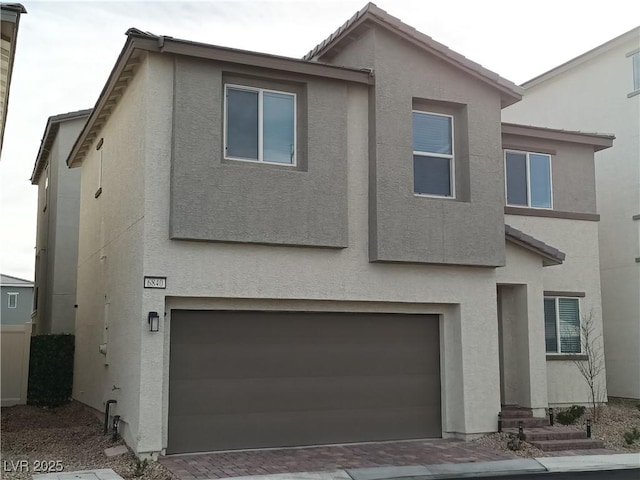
(471, 375)
(536, 354)
(481, 364)
(149, 440)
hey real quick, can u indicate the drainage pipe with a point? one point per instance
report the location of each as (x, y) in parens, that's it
(106, 415)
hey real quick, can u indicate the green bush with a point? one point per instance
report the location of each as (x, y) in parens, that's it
(571, 415)
(632, 436)
(50, 370)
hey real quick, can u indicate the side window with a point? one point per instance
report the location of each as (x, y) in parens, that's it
(260, 125)
(46, 189)
(13, 300)
(433, 155)
(528, 178)
(100, 167)
(562, 325)
(635, 65)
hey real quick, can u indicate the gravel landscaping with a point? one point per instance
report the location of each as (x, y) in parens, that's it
(616, 418)
(71, 434)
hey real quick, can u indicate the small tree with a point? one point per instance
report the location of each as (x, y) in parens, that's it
(592, 367)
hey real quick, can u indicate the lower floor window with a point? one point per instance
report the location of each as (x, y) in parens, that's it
(562, 325)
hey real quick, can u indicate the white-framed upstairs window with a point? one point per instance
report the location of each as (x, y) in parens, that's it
(562, 325)
(12, 300)
(528, 179)
(259, 125)
(433, 154)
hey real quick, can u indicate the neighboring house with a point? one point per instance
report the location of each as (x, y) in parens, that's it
(600, 91)
(16, 295)
(10, 22)
(57, 225)
(277, 251)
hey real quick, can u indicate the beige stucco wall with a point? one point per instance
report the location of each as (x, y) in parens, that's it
(110, 262)
(593, 96)
(578, 273)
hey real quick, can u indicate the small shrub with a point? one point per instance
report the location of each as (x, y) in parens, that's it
(514, 443)
(141, 466)
(638, 406)
(632, 436)
(571, 415)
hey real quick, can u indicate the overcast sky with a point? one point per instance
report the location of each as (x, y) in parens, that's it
(67, 49)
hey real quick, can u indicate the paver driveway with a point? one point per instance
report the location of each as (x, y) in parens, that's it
(312, 459)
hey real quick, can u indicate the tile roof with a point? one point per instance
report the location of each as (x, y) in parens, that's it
(379, 16)
(549, 254)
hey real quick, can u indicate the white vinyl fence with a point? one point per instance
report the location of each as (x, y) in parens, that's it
(15, 344)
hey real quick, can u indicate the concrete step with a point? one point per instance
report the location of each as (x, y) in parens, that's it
(529, 422)
(509, 411)
(574, 444)
(548, 433)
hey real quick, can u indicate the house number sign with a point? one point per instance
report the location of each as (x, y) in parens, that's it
(155, 282)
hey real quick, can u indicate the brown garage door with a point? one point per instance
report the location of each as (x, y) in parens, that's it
(268, 379)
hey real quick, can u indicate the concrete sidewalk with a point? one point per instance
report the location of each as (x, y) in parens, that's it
(423, 472)
(470, 469)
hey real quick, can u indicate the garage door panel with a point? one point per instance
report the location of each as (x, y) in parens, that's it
(297, 428)
(268, 379)
(291, 394)
(263, 328)
(275, 360)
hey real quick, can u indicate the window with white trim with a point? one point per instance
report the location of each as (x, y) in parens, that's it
(528, 179)
(562, 325)
(433, 155)
(12, 302)
(260, 125)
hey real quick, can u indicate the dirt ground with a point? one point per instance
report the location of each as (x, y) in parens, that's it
(72, 434)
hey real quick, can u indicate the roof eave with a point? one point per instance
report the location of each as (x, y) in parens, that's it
(50, 131)
(584, 57)
(138, 40)
(117, 69)
(599, 141)
(510, 93)
(16, 10)
(550, 255)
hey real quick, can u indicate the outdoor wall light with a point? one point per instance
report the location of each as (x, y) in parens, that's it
(154, 322)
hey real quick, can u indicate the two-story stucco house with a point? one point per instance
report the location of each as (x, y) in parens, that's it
(57, 225)
(600, 91)
(277, 251)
